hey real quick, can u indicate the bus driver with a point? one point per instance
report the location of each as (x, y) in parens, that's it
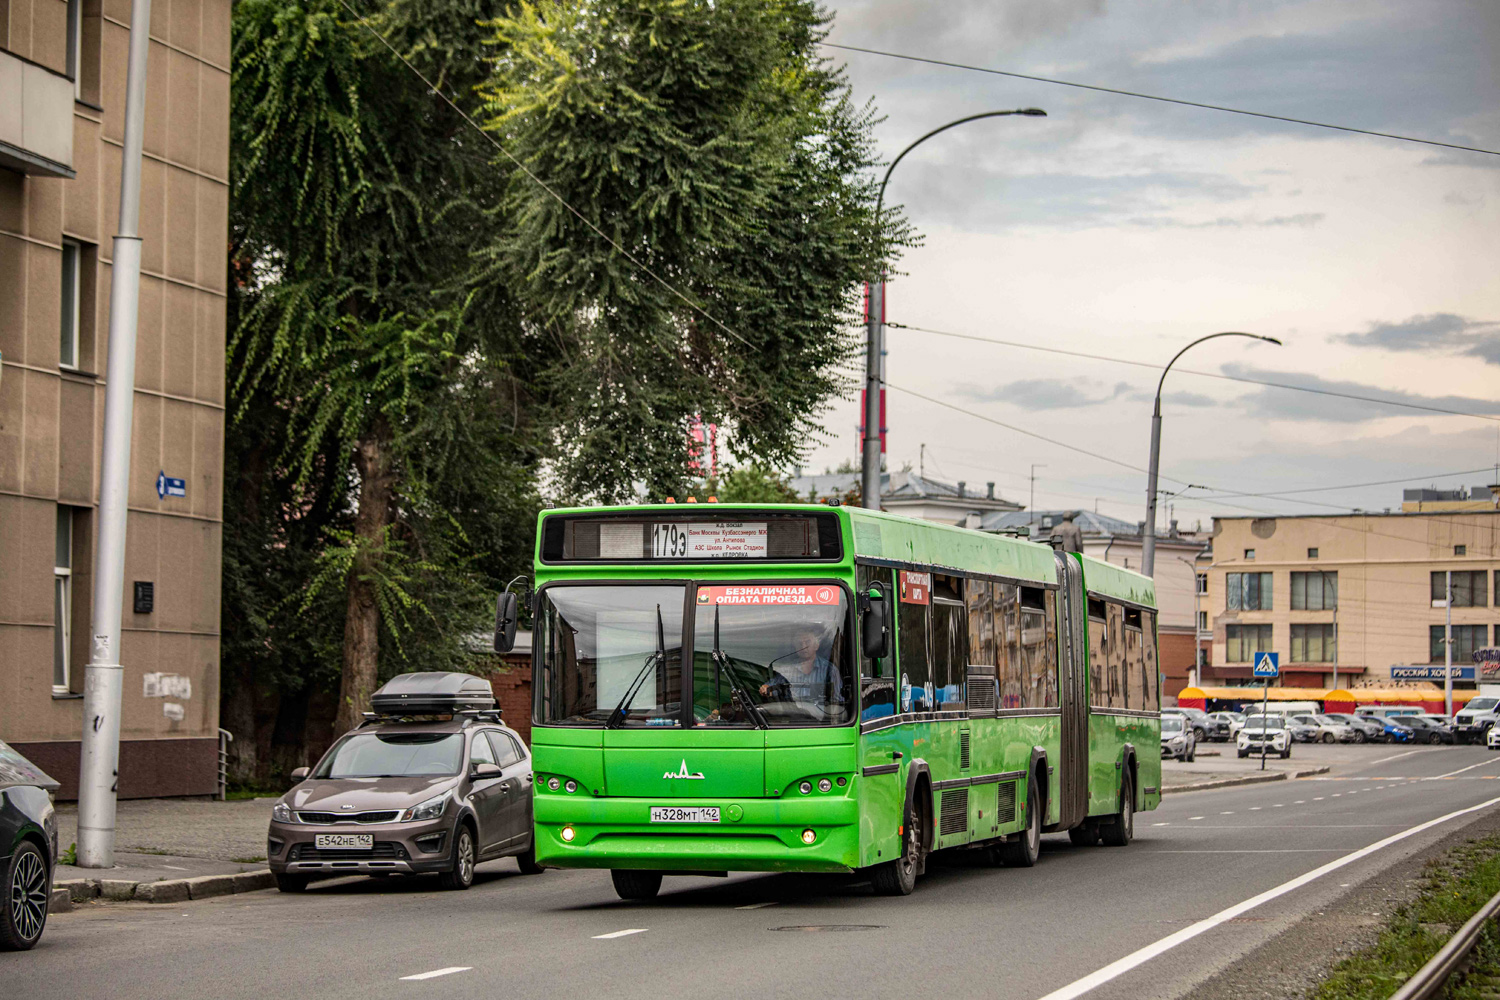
(810, 678)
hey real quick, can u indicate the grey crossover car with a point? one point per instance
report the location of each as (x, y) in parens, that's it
(28, 849)
(433, 782)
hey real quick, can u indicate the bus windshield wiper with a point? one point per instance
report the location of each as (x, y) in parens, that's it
(724, 666)
(657, 658)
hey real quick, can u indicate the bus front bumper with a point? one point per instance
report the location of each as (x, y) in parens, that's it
(760, 835)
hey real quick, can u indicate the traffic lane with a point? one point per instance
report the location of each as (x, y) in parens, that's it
(1078, 910)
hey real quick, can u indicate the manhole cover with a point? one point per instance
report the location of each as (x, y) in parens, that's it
(819, 928)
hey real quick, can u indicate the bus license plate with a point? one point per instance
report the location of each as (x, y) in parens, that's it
(344, 841)
(678, 814)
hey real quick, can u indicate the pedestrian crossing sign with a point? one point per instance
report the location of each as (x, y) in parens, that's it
(1266, 665)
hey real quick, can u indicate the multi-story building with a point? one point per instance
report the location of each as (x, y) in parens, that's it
(1119, 542)
(1362, 595)
(62, 106)
(912, 494)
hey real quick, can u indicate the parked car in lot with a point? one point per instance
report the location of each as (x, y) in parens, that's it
(1429, 728)
(1204, 726)
(28, 849)
(1492, 738)
(1327, 730)
(1263, 736)
(433, 782)
(1476, 719)
(1302, 732)
(1397, 730)
(1365, 727)
(1178, 738)
(1234, 720)
(1387, 711)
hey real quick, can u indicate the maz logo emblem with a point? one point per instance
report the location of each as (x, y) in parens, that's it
(684, 774)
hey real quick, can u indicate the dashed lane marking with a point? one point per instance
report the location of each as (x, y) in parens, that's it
(440, 972)
(619, 934)
(1195, 817)
(756, 906)
(1160, 824)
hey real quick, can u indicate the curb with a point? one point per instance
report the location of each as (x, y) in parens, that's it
(1251, 779)
(177, 890)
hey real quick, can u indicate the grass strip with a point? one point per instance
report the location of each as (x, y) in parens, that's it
(1455, 886)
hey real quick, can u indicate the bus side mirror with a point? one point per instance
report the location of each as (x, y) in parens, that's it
(505, 622)
(875, 624)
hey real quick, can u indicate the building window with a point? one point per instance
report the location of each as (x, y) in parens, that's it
(1249, 553)
(1470, 589)
(1202, 583)
(1247, 591)
(1466, 639)
(1315, 592)
(1312, 553)
(62, 602)
(72, 282)
(1460, 550)
(1244, 641)
(75, 46)
(1203, 621)
(1314, 644)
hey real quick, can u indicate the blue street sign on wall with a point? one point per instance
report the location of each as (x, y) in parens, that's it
(1266, 665)
(1430, 673)
(166, 486)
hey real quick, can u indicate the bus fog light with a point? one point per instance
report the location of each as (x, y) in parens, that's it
(571, 786)
(553, 784)
(808, 836)
(568, 834)
(805, 787)
(824, 785)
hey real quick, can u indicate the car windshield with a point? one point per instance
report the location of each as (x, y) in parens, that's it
(1171, 723)
(1481, 704)
(774, 652)
(1257, 726)
(393, 755)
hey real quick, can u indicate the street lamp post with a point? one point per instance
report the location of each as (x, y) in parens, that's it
(1148, 543)
(875, 324)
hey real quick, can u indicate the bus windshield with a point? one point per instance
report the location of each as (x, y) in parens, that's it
(771, 655)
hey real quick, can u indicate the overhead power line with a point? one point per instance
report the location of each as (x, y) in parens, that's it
(1191, 371)
(364, 22)
(1156, 97)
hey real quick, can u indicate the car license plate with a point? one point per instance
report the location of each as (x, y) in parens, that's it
(689, 814)
(344, 841)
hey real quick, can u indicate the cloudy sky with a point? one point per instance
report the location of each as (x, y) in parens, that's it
(1127, 228)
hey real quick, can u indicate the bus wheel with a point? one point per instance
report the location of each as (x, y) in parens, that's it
(635, 885)
(898, 877)
(1121, 830)
(1085, 834)
(1023, 852)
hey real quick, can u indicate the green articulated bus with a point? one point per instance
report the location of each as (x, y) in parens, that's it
(810, 688)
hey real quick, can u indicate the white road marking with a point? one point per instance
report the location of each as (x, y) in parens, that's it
(1463, 769)
(1143, 955)
(175, 868)
(1338, 795)
(440, 972)
(1317, 798)
(1300, 802)
(1160, 824)
(619, 934)
(1255, 808)
(756, 906)
(1195, 817)
(1276, 806)
(1398, 756)
(1283, 850)
(1227, 812)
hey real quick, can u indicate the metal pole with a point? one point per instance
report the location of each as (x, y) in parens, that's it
(99, 758)
(869, 490)
(1265, 723)
(1335, 628)
(1448, 644)
(875, 326)
(1034, 467)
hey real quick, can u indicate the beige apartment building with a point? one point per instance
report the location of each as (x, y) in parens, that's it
(1363, 591)
(62, 105)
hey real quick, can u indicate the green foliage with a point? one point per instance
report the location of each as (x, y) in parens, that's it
(710, 142)
(68, 856)
(753, 484)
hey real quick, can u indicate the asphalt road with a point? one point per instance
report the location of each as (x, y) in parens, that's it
(967, 931)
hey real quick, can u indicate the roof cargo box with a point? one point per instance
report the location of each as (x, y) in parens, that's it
(433, 692)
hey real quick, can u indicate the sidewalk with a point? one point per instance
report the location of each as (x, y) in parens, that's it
(1227, 767)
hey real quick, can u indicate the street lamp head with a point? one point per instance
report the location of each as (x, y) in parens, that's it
(1032, 112)
(1272, 340)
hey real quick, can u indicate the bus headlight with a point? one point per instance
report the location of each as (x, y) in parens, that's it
(571, 785)
(824, 785)
(554, 784)
(805, 787)
(568, 834)
(808, 836)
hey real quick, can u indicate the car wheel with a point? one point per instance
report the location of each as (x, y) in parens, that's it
(898, 877)
(1199, 734)
(1121, 831)
(288, 882)
(461, 875)
(29, 892)
(635, 885)
(1328, 737)
(1359, 736)
(1191, 754)
(1023, 851)
(1085, 834)
(1286, 753)
(1244, 753)
(526, 860)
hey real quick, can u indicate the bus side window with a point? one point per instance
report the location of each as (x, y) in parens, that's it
(913, 624)
(1051, 663)
(950, 644)
(1098, 648)
(1114, 657)
(1135, 673)
(1008, 645)
(1035, 670)
(1148, 664)
(979, 598)
(877, 677)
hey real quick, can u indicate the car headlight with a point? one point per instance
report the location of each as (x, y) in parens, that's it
(431, 809)
(282, 813)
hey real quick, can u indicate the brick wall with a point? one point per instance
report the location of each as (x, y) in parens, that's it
(1179, 652)
(510, 677)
